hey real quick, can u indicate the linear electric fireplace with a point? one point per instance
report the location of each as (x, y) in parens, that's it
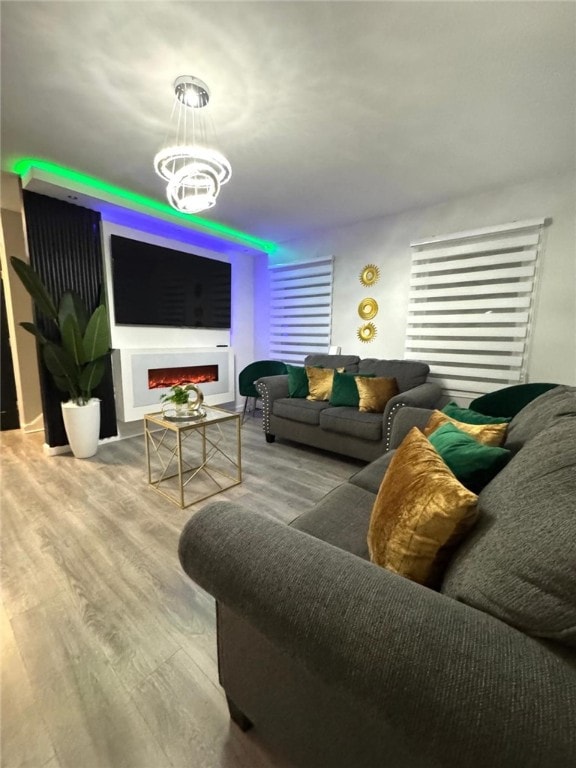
(159, 378)
(141, 376)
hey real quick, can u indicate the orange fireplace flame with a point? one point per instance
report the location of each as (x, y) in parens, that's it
(159, 378)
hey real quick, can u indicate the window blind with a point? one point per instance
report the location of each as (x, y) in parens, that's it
(470, 306)
(300, 310)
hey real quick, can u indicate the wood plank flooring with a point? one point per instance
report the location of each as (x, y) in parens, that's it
(108, 648)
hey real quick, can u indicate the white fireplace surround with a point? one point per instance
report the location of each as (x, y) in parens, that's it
(134, 398)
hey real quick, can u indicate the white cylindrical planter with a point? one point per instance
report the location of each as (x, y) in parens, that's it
(82, 423)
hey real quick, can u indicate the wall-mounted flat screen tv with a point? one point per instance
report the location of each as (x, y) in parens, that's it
(154, 285)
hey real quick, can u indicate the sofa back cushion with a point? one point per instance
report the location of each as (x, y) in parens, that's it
(408, 373)
(519, 562)
(348, 362)
(538, 414)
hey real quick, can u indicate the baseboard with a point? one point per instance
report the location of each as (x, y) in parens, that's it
(36, 425)
(55, 450)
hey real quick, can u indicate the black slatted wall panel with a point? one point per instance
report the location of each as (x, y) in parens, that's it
(66, 250)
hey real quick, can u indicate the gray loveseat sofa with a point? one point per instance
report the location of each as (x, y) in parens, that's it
(344, 429)
(342, 664)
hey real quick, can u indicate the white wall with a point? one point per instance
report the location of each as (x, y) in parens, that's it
(261, 310)
(19, 306)
(386, 242)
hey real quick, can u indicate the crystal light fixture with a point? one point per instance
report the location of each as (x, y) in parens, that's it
(194, 171)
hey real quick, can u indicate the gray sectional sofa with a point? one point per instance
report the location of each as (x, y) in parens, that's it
(344, 429)
(342, 664)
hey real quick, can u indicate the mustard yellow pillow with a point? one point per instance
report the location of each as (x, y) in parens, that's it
(421, 512)
(375, 393)
(488, 434)
(319, 383)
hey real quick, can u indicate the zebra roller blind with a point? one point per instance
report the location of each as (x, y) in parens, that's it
(470, 306)
(300, 310)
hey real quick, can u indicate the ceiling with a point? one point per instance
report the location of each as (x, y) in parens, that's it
(329, 112)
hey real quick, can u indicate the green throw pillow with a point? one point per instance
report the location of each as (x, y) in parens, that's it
(473, 463)
(510, 400)
(345, 389)
(297, 381)
(468, 416)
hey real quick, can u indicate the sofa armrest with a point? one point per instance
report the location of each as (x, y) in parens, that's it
(426, 395)
(273, 387)
(270, 389)
(470, 689)
(404, 418)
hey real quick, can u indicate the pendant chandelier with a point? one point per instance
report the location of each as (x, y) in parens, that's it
(194, 171)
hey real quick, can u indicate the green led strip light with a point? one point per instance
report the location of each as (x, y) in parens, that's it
(25, 164)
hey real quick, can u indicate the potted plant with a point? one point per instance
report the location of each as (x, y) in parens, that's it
(76, 360)
(179, 397)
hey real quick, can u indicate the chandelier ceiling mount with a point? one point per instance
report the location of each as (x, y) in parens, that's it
(191, 91)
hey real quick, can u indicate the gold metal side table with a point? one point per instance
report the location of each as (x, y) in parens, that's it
(191, 460)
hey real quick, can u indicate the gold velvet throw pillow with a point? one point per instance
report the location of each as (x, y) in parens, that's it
(319, 383)
(375, 392)
(420, 514)
(488, 434)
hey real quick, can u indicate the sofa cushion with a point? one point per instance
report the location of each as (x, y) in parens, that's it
(319, 382)
(510, 400)
(408, 373)
(473, 463)
(340, 518)
(468, 416)
(298, 409)
(370, 477)
(297, 381)
(349, 421)
(420, 513)
(519, 563)
(540, 413)
(375, 393)
(345, 390)
(348, 362)
(489, 434)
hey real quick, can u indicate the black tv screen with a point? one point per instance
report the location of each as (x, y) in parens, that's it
(160, 286)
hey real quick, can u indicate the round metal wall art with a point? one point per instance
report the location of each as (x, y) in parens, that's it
(367, 332)
(369, 274)
(368, 308)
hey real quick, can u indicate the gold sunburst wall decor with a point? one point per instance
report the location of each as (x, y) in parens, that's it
(369, 274)
(368, 308)
(367, 332)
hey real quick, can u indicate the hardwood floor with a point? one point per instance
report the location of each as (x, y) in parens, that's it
(108, 648)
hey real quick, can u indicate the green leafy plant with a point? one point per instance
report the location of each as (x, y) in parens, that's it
(178, 395)
(77, 361)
